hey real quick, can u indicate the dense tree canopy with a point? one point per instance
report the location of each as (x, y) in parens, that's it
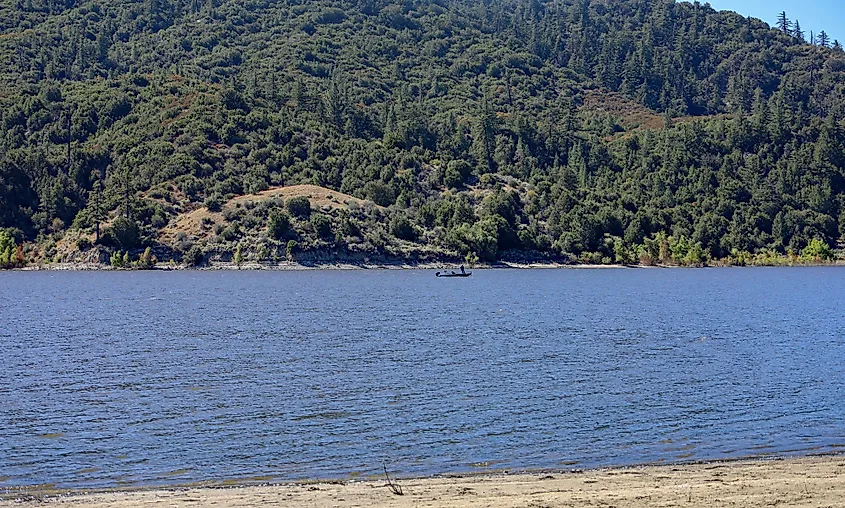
(617, 130)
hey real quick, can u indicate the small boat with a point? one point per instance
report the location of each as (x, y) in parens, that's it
(453, 274)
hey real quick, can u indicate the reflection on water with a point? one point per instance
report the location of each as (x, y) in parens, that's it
(115, 379)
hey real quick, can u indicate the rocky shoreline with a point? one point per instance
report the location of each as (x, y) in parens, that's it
(290, 266)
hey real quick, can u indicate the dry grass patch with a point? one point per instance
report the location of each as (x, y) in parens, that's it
(630, 114)
(191, 223)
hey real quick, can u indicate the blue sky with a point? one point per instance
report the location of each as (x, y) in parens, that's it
(815, 15)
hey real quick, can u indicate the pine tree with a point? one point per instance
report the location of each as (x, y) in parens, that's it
(797, 32)
(837, 46)
(96, 203)
(300, 96)
(335, 102)
(145, 262)
(485, 137)
(812, 38)
(7, 248)
(783, 23)
(238, 258)
(270, 89)
(125, 177)
(824, 39)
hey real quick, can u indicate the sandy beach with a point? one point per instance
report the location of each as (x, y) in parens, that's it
(801, 482)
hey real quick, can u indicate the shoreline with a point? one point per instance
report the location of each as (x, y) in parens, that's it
(284, 267)
(810, 481)
(292, 266)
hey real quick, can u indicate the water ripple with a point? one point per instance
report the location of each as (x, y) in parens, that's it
(110, 379)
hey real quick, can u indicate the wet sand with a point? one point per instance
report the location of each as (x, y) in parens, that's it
(803, 482)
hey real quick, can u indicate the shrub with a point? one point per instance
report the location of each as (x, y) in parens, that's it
(299, 206)
(487, 181)
(214, 203)
(193, 257)
(401, 227)
(116, 259)
(146, 261)
(456, 173)
(817, 250)
(330, 16)
(347, 227)
(279, 225)
(695, 256)
(322, 225)
(290, 248)
(231, 233)
(158, 220)
(7, 250)
(124, 232)
(452, 179)
(379, 193)
(83, 243)
(471, 259)
(231, 214)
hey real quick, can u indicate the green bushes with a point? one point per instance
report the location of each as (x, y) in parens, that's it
(379, 193)
(11, 254)
(214, 203)
(817, 250)
(124, 233)
(116, 259)
(330, 16)
(322, 226)
(147, 260)
(401, 227)
(457, 172)
(83, 243)
(193, 257)
(299, 206)
(290, 249)
(279, 225)
(666, 250)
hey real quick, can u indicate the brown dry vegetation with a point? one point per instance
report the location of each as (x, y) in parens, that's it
(628, 113)
(631, 115)
(191, 223)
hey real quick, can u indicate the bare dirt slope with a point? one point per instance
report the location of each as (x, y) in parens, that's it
(807, 482)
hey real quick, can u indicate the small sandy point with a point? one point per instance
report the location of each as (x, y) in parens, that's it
(802, 482)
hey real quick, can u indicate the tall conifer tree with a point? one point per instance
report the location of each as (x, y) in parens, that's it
(797, 32)
(783, 23)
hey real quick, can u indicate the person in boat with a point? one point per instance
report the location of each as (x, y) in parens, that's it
(462, 269)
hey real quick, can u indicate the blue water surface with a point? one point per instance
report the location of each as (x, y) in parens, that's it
(151, 378)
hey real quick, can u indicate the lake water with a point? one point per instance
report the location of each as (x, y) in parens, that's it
(131, 378)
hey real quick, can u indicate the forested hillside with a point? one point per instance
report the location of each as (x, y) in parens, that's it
(603, 131)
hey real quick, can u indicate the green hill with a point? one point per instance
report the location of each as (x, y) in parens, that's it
(604, 131)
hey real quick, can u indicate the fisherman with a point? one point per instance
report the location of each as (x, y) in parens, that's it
(462, 269)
